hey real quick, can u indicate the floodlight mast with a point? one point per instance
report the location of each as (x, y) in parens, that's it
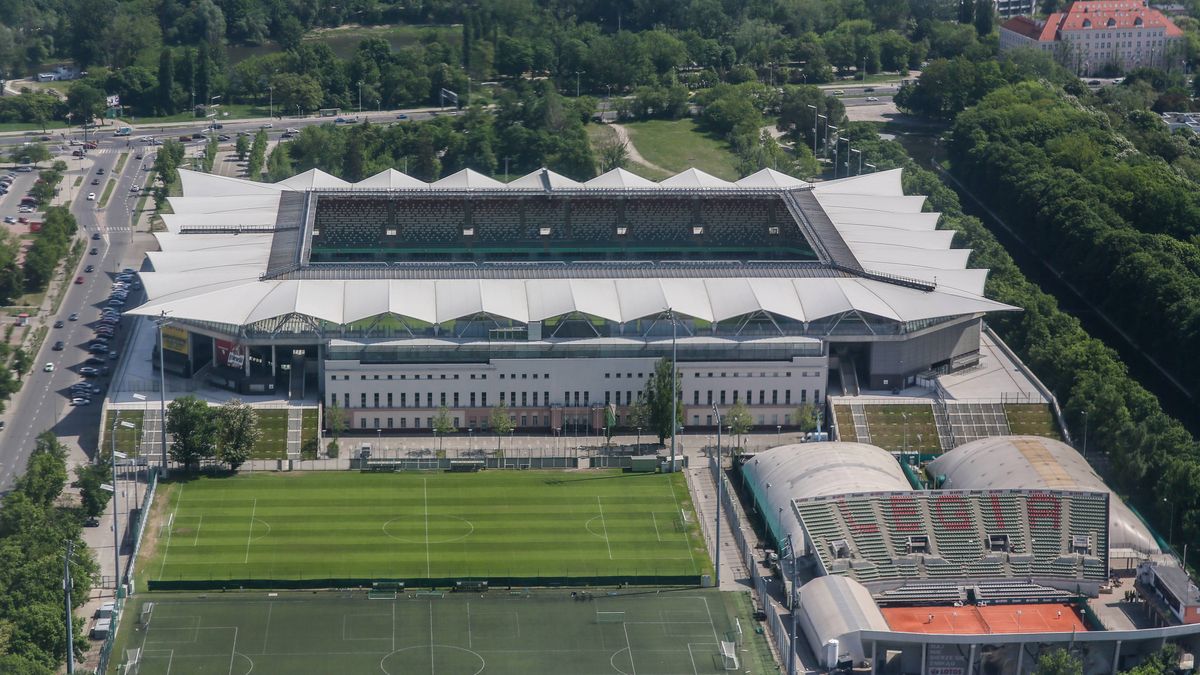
(674, 389)
(720, 477)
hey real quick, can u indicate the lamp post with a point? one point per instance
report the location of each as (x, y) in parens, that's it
(778, 432)
(113, 454)
(720, 478)
(1085, 430)
(162, 387)
(639, 439)
(860, 163)
(674, 386)
(360, 97)
(815, 116)
(271, 101)
(577, 83)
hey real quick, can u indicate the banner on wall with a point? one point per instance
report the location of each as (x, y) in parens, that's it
(229, 354)
(175, 339)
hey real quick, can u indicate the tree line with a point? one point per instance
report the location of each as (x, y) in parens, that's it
(36, 522)
(227, 433)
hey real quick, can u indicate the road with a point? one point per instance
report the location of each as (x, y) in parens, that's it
(42, 403)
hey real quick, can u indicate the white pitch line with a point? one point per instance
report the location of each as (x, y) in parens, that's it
(170, 528)
(655, 521)
(468, 625)
(605, 526)
(629, 648)
(233, 653)
(251, 532)
(425, 483)
(267, 629)
(431, 664)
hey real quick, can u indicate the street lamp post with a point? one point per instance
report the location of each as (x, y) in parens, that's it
(360, 97)
(1085, 430)
(860, 162)
(674, 389)
(829, 126)
(116, 503)
(162, 388)
(720, 478)
(815, 116)
(271, 101)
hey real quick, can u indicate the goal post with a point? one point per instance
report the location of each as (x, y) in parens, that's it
(610, 617)
(729, 659)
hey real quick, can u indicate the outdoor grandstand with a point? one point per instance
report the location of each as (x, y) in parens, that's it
(314, 287)
(978, 558)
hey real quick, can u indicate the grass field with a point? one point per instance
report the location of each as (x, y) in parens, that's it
(1033, 419)
(891, 430)
(599, 134)
(675, 631)
(845, 423)
(272, 444)
(679, 144)
(345, 525)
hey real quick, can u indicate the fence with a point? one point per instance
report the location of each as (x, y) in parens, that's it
(776, 631)
(119, 604)
(631, 579)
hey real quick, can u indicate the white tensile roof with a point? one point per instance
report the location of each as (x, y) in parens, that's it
(391, 179)
(838, 608)
(620, 179)
(466, 180)
(695, 179)
(313, 178)
(545, 179)
(218, 276)
(770, 178)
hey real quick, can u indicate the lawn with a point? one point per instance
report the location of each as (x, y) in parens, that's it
(891, 431)
(321, 526)
(602, 133)
(845, 423)
(124, 157)
(1031, 419)
(108, 190)
(669, 630)
(676, 145)
(272, 442)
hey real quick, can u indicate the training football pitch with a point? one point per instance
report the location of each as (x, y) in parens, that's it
(668, 632)
(413, 526)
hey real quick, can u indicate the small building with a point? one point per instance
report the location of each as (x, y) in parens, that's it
(1099, 35)
(1007, 9)
(1169, 592)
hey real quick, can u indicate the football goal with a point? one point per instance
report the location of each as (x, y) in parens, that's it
(610, 617)
(729, 659)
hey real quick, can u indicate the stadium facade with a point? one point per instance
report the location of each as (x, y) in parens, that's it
(395, 297)
(1010, 546)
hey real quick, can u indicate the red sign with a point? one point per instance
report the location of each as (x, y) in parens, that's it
(229, 354)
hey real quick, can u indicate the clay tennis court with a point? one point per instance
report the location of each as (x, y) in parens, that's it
(1040, 618)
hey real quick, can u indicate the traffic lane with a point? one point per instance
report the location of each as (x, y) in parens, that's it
(879, 100)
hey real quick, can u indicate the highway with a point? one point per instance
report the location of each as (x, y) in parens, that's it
(42, 402)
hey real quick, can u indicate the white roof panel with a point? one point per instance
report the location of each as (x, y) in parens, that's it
(208, 185)
(620, 179)
(695, 179)
(543, 179)
(391, 179)
(770, 178)
(879, 183)
(313, 178)
(466, 180)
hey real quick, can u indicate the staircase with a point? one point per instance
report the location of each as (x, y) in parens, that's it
(849, 375)
(858, 417)
(295, 422)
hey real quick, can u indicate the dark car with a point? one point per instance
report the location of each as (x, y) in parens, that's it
(98, 349)
(58, 324)
(94, 251)
(94, 361)
(74, 315)
(90, 268)
(95, 181)
(95, 236)
(100, 171)
(197, 136)
(58, 346)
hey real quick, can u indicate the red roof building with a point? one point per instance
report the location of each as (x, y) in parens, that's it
(1102, 35)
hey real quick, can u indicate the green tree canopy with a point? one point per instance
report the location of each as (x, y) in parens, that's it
(237, 432)
(193, 430)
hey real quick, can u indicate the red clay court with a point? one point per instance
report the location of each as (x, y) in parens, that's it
(1039, 618)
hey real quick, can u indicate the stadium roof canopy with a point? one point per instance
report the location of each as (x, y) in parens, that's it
(1031, 462)
(807, 470)
(216, 258)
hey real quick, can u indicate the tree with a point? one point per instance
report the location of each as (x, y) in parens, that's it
(1058, 662)
(295, 92)
(21, 361)
(45, 472)
(985, 17)
(804, 417)
(242, 147)
(738, 420)
(614, 153)
(335, 421)
(657, 397)
(1163, 662)
(191, 425)
(443, 423)
(33, 153)
(165, 95)
(85, 102)
(237, 432)
(88, 479)
(500, 422)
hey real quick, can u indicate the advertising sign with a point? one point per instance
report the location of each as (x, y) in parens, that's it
(229, 354)
(175, 339)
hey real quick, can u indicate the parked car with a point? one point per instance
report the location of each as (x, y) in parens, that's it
(79, 280)
(94, 360)
(94, 251)
(79, 400)
(97, 350)
(88, 371)
(100, 171)
(10, 219)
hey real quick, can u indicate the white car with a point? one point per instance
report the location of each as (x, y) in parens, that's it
(91, 196)
(49, 368)
(25, 209)
(872, 99)
(81, 401)
(266, 125)
(292, 130)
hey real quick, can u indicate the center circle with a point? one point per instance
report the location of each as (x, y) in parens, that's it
(442, 659)
(442, 529)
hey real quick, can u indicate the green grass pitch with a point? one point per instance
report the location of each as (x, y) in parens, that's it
(673, 631)
(347, 525)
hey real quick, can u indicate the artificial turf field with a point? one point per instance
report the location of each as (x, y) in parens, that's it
(371, 526)
(672, 632)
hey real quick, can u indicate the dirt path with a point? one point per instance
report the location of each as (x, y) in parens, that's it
(634, 155)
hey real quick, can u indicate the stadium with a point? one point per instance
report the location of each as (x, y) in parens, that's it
(395, 298)
(974, 562)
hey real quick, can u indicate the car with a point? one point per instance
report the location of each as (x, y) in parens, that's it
(197, 136)
(401, 116)
(1094, 83)
(95, 361)
(74, 315)
(98, 349)
(89, 269)
(58, 345)
(79, 400)
(128, 270)
(25, 209)
(135, 188)
(116, 303)
(90, 146)
(91, 196)
(88, 371)
(266, 125)
(288, 134)
(95, 181)
(25, 169)
(93, 251)
(138, 156)
(58, 324)
(48, 368)
(10, 219)
(100, 171)
(74, 142)
(867, 90)
(218, 125)
(872, 99)
(341, 120)
(223, 137)
(78, 153)
(292, 130)
(79, 280)
(838, 92)
(95, 236)
(105, 332)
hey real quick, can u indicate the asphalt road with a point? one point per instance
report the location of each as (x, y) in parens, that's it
(42, 402)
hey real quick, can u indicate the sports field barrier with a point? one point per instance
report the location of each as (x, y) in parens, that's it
(388, 464)
(493, 582)
(119, 604)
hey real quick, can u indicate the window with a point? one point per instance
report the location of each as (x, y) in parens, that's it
(403, 400)
(576, 399)
(566, 398)
(762, 397)
(362, 377)
(735, 396)
(456, 399)
(416, 422)
(376, 377)
(502, 396)
(376, 425)
(389, 421)
(817, 396)
(787, 397)
(483, 399)
(429, 399)
(523, 401)
(403, 422)
(362, 400)
(502, 376)
(774, 397)
(722, 397)
(535, 402)
(346, 404)
(586, 396)
(535, 420)
(472, 399)
(442, 398)
(333, 377)
(512, 397)
(545, 397)
(524, 421)
(709, 399)
(524, 376)
(376, 399)
(695, 397)
(362, 423)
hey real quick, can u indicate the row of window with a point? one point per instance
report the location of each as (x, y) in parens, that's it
(532, 421)
(570, 398)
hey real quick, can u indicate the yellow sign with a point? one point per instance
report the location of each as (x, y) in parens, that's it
(175, 339)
